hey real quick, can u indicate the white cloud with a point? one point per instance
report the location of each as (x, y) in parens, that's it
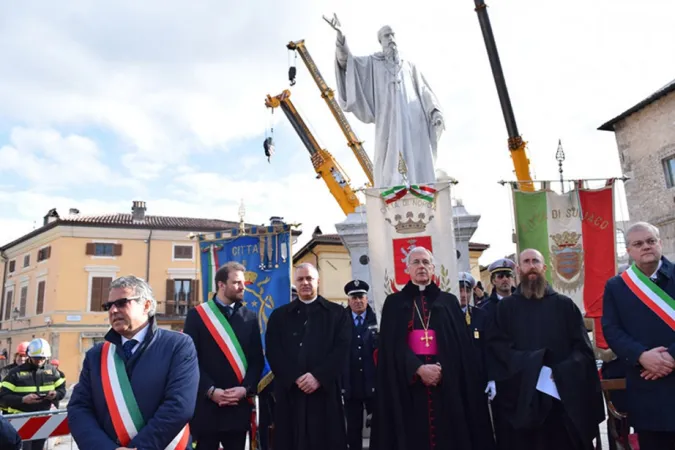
(48, 160)
(170, 80)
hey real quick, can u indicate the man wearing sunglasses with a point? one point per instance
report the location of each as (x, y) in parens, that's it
(358, 377)
(137, 390)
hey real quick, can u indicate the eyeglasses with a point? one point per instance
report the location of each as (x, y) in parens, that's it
(504, 275)
(119, 303)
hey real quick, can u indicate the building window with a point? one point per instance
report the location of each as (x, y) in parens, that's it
(99, 292)
(182, 252)
(22, 301)
(181, 296)
(103, 249)
(44, 253)
(40, 302)
(26, 261)
(12, 266)
(8, 304)
(669, 171)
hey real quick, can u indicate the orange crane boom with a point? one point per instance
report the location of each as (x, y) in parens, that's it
(329, 96)
(325, 165)
(517, 146)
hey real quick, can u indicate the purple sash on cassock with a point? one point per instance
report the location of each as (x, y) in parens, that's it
(420, 345)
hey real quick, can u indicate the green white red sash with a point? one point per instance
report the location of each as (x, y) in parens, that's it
(650, 294)
(223, 334)
(124, 411)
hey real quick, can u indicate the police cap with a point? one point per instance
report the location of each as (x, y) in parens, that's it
(356, 287)
(501, 265)
(465, 279)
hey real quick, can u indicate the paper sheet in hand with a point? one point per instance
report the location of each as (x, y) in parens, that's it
(546, 384)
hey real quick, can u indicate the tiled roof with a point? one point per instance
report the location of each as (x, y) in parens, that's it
(157, 222)
(665, 90)
(125, 220)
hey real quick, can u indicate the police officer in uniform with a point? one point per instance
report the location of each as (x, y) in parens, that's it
(475, 317)
(33, 386)
(502, 279)
(358, 379)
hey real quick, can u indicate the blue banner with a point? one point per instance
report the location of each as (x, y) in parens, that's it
(265, 252)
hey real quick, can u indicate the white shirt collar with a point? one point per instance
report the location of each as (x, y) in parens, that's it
(307, 302)
(139, 336)
(653, 276)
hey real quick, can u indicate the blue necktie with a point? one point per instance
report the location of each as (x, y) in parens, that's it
(127, 347)
(358, 321)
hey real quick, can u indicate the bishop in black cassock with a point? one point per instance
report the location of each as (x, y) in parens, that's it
(428, 392)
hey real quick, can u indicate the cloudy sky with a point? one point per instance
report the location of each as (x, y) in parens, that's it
(102, 103)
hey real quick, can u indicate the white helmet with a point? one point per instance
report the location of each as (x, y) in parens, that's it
(39, 348)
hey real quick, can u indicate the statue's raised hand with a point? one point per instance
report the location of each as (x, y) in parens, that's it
(335, 24)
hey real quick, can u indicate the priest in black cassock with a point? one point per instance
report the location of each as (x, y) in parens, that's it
(307, 347)
(538, 343)
(429, 394)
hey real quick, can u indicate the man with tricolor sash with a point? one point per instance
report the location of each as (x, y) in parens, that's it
(229, 348)
(639, 325)
(137, 390)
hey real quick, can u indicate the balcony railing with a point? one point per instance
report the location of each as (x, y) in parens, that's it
(176, 308)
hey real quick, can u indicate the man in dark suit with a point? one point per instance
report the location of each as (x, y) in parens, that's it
(229, 348)
(138, 388)
(639, 325)
(358, 377)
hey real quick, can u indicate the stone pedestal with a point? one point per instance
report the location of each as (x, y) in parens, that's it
(354, 235)
(465, 226)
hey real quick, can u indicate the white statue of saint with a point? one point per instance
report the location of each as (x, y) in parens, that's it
(391, 93)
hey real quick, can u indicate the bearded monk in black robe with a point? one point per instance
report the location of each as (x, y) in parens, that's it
(537, 328)
(429, 393)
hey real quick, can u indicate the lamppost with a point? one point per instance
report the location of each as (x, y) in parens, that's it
(242, 213)
(560, 157)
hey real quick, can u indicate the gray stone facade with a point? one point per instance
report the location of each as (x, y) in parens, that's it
(645, 136)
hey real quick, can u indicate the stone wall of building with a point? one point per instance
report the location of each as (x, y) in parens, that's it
(644, 140)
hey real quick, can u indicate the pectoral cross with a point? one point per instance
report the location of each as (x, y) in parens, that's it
(397, 84)
(426, 338)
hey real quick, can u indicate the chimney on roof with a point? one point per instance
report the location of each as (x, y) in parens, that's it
(317, 232)
(138, 211)
(73, 211)
(50, 217)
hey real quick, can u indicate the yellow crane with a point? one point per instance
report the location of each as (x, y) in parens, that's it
(517, 145)
(324, 164)
(329, 96)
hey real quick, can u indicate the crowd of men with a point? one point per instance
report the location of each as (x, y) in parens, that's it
(437, 372)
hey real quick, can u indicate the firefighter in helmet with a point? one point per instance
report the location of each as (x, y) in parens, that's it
(34, 385)
(19, 358)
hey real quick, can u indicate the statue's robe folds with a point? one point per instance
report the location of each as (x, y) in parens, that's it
(409, 415)
(400, 104)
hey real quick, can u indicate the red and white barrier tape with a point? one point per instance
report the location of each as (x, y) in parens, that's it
(40, 427)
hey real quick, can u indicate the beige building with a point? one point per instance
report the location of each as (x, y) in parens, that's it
(55, 278)
(645, 138)
(331, 258)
